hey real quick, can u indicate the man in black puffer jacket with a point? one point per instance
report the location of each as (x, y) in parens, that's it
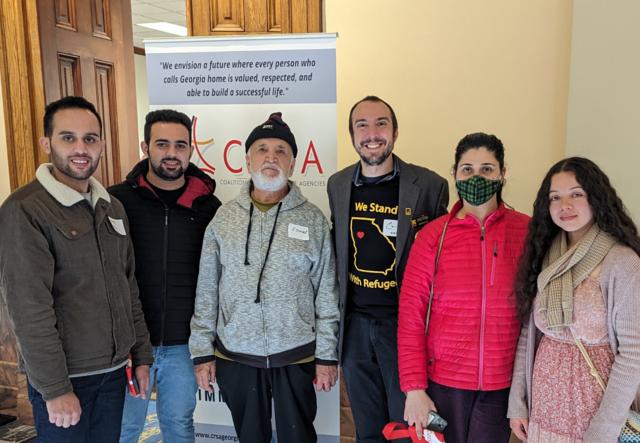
(169, 202)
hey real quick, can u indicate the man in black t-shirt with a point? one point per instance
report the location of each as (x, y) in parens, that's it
(377, 206)
(169, 203)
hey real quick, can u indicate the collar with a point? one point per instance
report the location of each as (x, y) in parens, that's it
(63, 193)
(472, 219)
(396, 172)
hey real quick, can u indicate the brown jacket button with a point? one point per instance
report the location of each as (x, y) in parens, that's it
(74, 233)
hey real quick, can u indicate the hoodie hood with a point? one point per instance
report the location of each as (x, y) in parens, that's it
(198, 183)
(293, 199)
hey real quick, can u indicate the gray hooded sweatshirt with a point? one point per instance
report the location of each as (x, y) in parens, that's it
(296, 313)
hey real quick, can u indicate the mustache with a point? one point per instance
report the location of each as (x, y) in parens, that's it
(380, 141)
(270, 165)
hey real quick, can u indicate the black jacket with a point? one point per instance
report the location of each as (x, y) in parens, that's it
(167, 243)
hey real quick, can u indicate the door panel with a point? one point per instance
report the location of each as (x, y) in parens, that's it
(239, 17)
(87, 51)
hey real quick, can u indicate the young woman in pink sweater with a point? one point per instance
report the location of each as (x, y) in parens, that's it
(579, 280)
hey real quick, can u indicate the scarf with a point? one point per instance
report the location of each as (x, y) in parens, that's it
(563, 270)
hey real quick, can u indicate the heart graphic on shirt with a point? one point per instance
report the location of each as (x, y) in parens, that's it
(360, 234)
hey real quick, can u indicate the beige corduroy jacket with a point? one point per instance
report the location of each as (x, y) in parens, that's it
(620, 284)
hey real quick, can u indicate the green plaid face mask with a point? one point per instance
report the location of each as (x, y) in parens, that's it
(478, 190)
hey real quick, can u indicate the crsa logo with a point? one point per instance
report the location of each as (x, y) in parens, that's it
(311, 158)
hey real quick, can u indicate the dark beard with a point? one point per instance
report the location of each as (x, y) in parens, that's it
(375, 161)
(64, 166)
(164, 174)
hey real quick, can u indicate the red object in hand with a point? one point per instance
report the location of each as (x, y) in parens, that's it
(391, 433)
(132, 387)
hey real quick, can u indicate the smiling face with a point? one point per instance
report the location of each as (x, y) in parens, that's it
(373, 135)
(168, 150)
(74, 146)
(569, 206)
(270, 162)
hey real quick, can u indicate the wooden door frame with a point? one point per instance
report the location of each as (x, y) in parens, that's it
(22, 77)
(22, 88)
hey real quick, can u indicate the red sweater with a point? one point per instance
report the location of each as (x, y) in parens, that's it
(474, 329)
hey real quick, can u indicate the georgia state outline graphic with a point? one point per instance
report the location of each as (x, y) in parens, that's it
(366, 229)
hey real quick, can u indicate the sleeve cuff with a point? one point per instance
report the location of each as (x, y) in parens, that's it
(203, 360)
(326, 362)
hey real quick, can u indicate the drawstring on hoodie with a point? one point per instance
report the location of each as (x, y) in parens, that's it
(246, 257)
(246, 247)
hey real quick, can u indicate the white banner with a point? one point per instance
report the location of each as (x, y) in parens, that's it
(228, 86)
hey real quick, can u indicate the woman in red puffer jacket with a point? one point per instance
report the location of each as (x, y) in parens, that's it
(466, 361)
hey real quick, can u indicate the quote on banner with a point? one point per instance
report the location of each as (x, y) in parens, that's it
(228, 91)
(243, 77)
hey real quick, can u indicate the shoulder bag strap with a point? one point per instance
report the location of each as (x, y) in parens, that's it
(426, 325)
(592, 368)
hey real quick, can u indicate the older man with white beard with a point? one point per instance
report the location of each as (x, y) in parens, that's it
(266, 314)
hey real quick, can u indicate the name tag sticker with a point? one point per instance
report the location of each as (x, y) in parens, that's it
(390, 228)
(118, 225)
(299, 232)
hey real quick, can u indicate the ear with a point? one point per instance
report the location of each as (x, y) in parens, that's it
(292, 167)
(145, 148)
(504, 172)
(248, 161)
(191, 149)
(103, 144)
(395, 135)
(45, 144)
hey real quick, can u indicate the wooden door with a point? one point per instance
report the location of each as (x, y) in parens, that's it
(87, 51)
(239, 17)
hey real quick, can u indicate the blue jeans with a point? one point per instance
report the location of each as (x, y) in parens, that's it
(101, 398)
(176, 388)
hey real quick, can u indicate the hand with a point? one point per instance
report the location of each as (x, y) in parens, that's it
(416, 410)
(142, 376)
(520, 427)
(206, 374)
(326, 377)
(65, 410)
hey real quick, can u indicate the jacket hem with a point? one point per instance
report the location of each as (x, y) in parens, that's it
(271, 361)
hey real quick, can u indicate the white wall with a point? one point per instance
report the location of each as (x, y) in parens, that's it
(604, 94)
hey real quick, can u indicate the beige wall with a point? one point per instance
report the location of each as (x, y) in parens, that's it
(454, 67)
(5, 186)
(604, 97)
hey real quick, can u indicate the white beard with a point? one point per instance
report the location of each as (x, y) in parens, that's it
(266, 183)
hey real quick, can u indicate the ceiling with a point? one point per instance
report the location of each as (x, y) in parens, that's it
(150, 11)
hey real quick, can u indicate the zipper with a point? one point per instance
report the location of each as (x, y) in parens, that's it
(495, 259)
(264, 322)
(484, 307)
(165, 253)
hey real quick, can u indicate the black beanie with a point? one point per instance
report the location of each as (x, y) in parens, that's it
(275, 127)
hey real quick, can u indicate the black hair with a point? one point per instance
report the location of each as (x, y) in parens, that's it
(69, 102)
(165, 116)
(481, 140)
(373, 98)
(608, 212)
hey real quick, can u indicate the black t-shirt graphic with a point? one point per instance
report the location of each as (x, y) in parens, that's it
(373, 226)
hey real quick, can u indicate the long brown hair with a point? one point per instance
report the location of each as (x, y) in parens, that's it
(608, 212)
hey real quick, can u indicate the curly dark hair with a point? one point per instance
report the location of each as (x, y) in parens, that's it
(608, 212)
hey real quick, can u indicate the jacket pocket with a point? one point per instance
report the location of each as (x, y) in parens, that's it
(73, 230)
